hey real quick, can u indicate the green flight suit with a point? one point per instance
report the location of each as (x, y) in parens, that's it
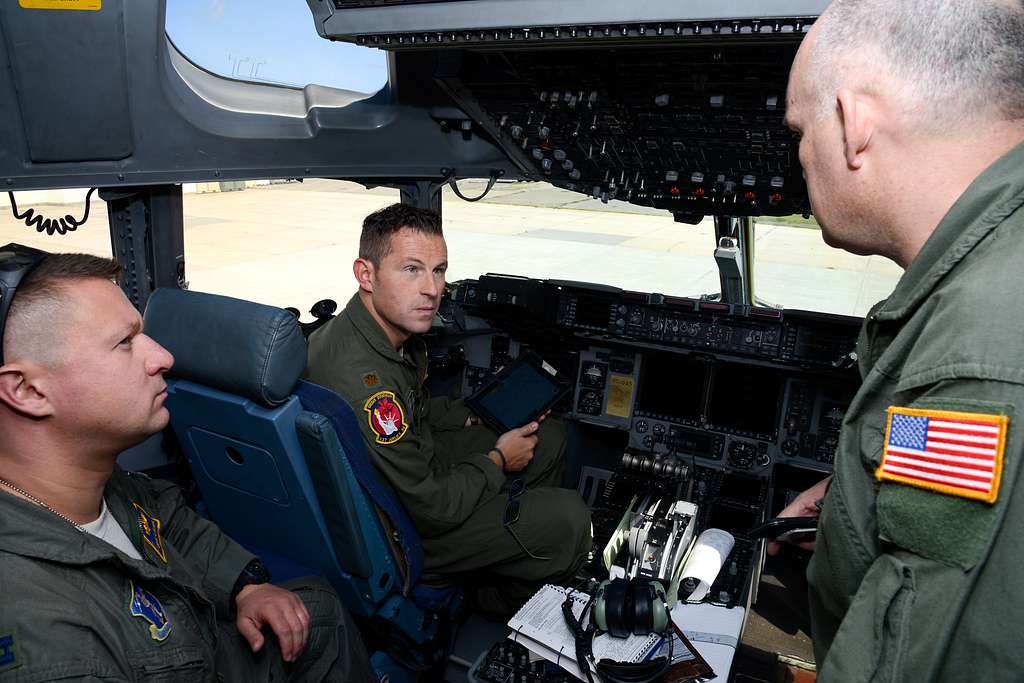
(440, 470)
(908, 584)
(72, 607)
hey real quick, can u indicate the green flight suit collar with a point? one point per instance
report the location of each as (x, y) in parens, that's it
(371, 330)
(33, 531)
(995, 194)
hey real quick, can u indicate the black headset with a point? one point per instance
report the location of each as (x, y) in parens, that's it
(621, 608)
(16, 261)
(625, 606)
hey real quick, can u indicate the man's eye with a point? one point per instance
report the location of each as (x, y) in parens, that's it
(127, 341)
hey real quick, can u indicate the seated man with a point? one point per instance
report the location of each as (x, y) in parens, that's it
(107, 574)
(449, 472)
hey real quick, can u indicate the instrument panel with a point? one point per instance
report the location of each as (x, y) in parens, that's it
(712, 385)
(677, 106)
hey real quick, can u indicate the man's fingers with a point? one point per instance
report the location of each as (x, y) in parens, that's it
(303, 617)
(773, 548)
(290, 632)
(526, 430)
(281, 610)
(251, 632)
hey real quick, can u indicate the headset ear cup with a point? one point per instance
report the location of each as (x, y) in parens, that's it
(598, 609)
(659, 610)
(643, 594)
(617, 610)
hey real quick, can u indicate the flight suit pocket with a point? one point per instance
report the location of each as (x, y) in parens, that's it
(180, 665)
(872, 641)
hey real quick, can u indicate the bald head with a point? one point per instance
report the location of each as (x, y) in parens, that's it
(942, 63)
(41, 307)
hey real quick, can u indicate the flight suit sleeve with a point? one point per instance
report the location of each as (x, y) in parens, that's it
(204, 543)
(923, 603)
(438, 497)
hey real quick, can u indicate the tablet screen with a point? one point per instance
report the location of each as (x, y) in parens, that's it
(518, 396)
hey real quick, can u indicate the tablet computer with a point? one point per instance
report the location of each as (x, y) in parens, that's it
(523, 391)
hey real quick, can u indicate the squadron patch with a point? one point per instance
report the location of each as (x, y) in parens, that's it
(8, 651)
(386, 417)
(959, 454)
(145, 605)
(150, 527)
(370, 379)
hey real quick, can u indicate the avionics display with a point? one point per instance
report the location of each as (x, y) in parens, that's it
(593, 311)
(672, 386)
(739, 487)
(819, 345)
(690, 441)
(745, 399)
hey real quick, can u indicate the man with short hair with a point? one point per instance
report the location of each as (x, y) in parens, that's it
(912, 121)
(450, 474)
(106, 574)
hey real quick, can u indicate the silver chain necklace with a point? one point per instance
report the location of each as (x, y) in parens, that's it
(40, 503)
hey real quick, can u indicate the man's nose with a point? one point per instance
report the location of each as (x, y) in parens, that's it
(430, 287)
(159, 359)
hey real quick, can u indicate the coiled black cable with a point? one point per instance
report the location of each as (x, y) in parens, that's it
(453, 183)
(61, 226)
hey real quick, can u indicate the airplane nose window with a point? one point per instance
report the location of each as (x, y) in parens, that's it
(270, 42)
(793, 267)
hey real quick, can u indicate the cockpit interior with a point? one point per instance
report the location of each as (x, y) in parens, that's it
(721, 400)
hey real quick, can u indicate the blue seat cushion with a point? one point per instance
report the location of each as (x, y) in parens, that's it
(317, 399)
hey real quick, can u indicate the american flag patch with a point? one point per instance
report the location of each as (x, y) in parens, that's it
(960, 454)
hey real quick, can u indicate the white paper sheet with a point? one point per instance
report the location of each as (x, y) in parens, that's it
(714, 631)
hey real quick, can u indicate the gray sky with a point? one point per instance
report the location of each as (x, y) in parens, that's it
(270, 40)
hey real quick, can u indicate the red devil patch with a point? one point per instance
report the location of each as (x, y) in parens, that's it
(386, 417)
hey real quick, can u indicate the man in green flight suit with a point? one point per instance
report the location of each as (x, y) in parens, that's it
(912, 122)
(451, 474)
(105, 574)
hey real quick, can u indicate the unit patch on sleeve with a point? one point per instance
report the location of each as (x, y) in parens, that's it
(150, 527)
(386, 417)
(8, 651)
(959, 454)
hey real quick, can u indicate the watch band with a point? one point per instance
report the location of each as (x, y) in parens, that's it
(254, 573)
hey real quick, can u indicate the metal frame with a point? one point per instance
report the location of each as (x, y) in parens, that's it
(476, 15)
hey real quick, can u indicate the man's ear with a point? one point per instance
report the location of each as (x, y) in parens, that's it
(363, 270)
(22, 391)
(857, 116)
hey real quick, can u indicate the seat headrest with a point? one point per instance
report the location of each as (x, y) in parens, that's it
(237, 346)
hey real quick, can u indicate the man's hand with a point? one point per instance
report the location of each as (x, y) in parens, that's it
(804, 505)
(265, 604)
(517, 445)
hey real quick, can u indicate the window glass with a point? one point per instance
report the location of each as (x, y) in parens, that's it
(291, 243)
(270, 42)
(287, 243)
(794, 268)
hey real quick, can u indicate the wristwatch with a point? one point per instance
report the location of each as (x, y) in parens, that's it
(254, 573)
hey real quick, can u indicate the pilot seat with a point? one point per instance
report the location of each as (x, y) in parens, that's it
(282, 468)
